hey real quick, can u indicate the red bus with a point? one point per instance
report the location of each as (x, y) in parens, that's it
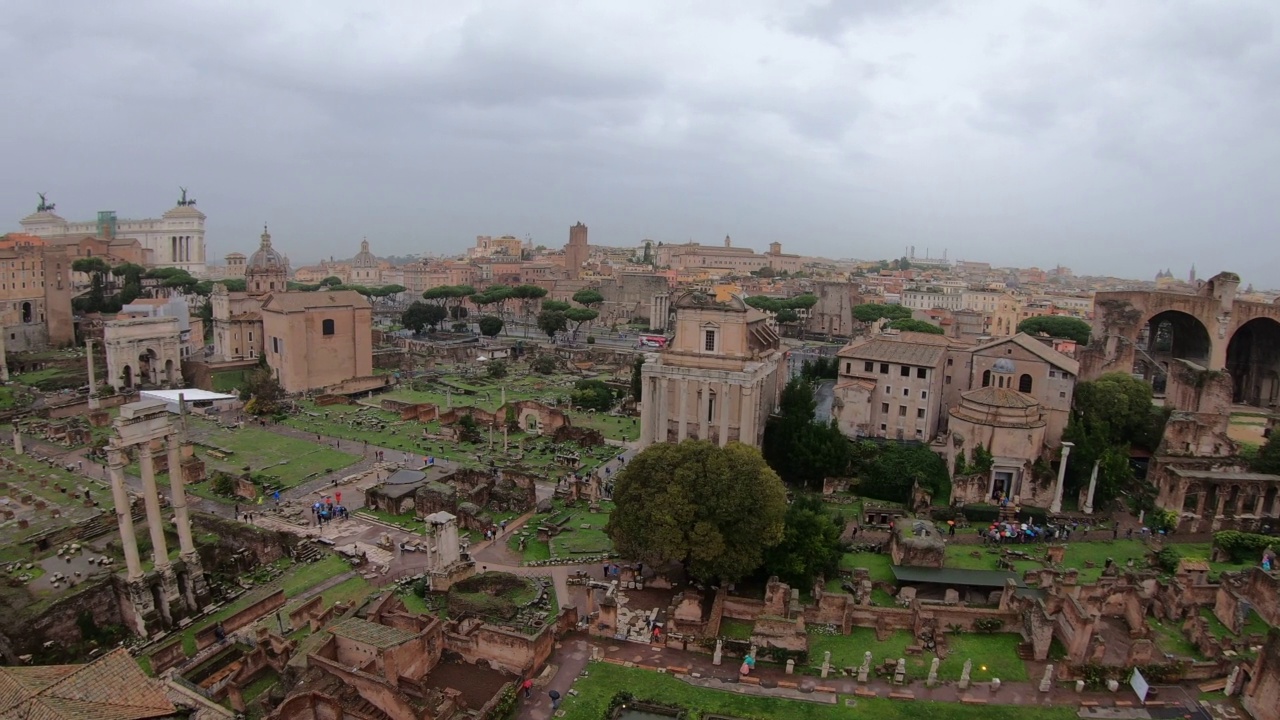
(653, 341)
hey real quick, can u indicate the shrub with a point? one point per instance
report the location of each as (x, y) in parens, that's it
(987, 625)
(1242, 546)
(591, 339)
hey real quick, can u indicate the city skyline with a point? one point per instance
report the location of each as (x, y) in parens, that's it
(1112, 141)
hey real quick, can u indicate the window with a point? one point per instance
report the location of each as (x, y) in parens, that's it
(884, 368)
(906, 371)
(250, 336)
(884, 408)
(948, 380)
(848, 368)
(920, 414)
(924, 394)
(709, 340)
(1053, 373)
(887, 389)
(1062, 394)
(950, 361)
(711, 408)
(902, 411)
(883, 427)
(921, 373)
(986, 378)
(906, 392)
(326, 327)
(1024, 383)
(868, 366)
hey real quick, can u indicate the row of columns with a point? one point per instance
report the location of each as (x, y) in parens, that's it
(692, 391)
(181, 248)
(116, 461)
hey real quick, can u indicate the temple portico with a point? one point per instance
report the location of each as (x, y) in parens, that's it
(170, 590)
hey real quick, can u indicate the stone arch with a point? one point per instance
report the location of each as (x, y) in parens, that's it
(168, 372)
(1024, 383)
(1253, 361)
(1173, 334)
(27, 313)
(127, 374)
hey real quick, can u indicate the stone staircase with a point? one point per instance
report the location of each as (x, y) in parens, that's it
(307, 552)
(1008, 513)
(1025, 651)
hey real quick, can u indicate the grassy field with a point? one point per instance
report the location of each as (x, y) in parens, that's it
(878, 565)
(603, 680)
(290, 460)
(996, 653)
(736, 629)
(1079, 554)
(574, 540)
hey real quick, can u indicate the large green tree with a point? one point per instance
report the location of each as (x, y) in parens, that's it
(420, 315)
(588, 297)
(802, 450)
(894, 468)
(1108, 417)
(912, 325)
(870, 312)
(490, 325)
(552, 322)
(714, 510)
(1058, 326)
(810, 543)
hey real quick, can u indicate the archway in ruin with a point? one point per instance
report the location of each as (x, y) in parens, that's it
(1174, 335)
(147, 370)
(1253, 360)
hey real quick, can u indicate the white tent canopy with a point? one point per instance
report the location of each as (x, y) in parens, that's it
(189, 395)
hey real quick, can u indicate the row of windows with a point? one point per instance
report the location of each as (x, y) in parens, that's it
(902, 411)
(904, 370)
(906, 392)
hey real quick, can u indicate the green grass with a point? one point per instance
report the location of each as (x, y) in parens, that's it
(736, 629)
(227, 380)
(998, 653)
(603, 680)
(289, 459)
(1170, 640)
(878, 565)
(37, 376)
(405, 522)
(260, 685)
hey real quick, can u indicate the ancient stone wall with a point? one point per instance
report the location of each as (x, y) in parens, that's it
(1261, 695)
(100, 598)
(505, 650)
(268, 604)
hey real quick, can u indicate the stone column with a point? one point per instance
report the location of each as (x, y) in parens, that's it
(178, 492)
(1257, 504)
(17, 441)
(1093, 485)
(684, 411)
(155, 522)
(94, 402)
(746, 415)
(4, 361)
(647, 411)
(704, 408)
(124, 518)
(726, 402)
(1239, 508)
(1056, 506)
(664, 411)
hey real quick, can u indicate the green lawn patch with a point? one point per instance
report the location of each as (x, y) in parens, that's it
(879, 566)
(994, 656)
(287, 461)
(736, 629)
(604, 680)
(227, 380)
(998, 653)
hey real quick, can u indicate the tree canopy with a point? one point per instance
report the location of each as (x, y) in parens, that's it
(803, 451)
(1058, 326)
(552, 322)
(890, 469)
(592, 394)
(490, 325)
(1108, 416)
(810, 543)
(555, 305)
(911, 325)
(420, 315)
(714, 510)
(870, 312)
(777, 305)
(588, 297)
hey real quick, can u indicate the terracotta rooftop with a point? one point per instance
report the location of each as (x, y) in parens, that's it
(112, 687)
(901, 351)
(1037, 348)
(369, 633)
(302, 301)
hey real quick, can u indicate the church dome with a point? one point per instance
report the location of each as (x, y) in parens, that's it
(266, 257)
(364, 258)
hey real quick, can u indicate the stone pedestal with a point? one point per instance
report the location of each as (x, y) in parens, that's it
(791, 667)
(933, 673)
(865, 668)
(964, 674)
(826, 663)
(900, 672)
(1046, 682)
(718, 657)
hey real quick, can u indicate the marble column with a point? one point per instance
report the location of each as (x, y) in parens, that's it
(1093, 485)
(94, 402)
(664, 410)
(124, 517)
(726, 402)
(155, 521)
(704, 409)
(747, 415)
(684, 411)
(178, 493)
(647, 411)
(1257, 503)
(1056, 506)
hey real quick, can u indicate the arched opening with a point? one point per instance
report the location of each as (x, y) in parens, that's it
(986, 378)
(1253, 360)
(128, 376)
(1167, 336)
(1024, 383)
(147, 369)
(26, 312)
(168, 372)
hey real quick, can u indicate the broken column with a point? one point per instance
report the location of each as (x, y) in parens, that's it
(826, 663)
(124, 516)
(718, 657)
(900, 672)
(178, 493)
(151, 496)
(17, 440)
(94, 402)
(933, 673)
(1046, 682)
(964, 674)
(1056, 506)
(1093, 485)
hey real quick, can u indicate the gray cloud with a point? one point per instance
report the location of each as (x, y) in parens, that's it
(1108, 137)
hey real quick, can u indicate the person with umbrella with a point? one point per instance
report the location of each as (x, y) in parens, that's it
(555, 699)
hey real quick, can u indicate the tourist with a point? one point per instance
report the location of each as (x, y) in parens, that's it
(749, 661)
(528, 687)
(555, 699)
(657, 634)
(606, 571)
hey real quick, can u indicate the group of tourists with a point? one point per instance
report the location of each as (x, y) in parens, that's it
(328, 509)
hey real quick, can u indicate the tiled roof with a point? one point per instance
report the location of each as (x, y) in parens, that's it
(112, 687)
(901, 351)
(363, 631)
(301, 301)
(1037, 348)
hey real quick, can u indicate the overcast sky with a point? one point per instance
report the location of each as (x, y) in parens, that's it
(1112, 137)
